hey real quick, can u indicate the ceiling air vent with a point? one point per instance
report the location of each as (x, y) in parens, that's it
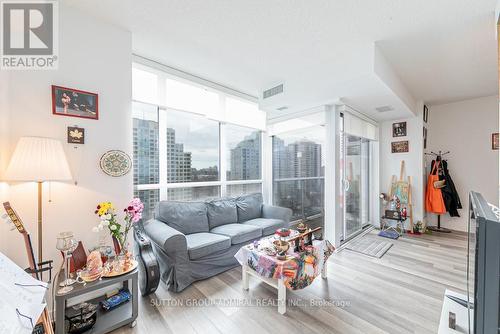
(282, 108)
(272, 91)
(384, 108)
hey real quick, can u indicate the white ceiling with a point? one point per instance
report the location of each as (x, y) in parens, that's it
(442, 50)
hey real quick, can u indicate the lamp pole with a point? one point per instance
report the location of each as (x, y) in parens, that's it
(40, 257)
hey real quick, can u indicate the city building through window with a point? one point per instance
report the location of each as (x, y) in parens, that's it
(184, 152)
(298, 173)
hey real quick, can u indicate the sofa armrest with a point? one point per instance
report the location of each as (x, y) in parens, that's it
(165, 237)
(276, 212)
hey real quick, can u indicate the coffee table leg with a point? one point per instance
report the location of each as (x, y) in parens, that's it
(281, 296)
(244, 276)
(324, 270)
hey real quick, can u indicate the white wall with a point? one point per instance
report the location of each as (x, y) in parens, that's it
(390, 162)
(96, 57)
(465, 129)
(4, 136)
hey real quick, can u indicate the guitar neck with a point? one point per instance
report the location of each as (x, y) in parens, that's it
(26, 236)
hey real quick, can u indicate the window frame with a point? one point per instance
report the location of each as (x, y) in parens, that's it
(223, 148)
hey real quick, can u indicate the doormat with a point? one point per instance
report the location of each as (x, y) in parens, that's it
(369, 246)
(388, 234)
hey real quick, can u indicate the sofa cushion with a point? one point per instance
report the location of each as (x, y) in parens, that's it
(221, 211)
(186, 217)
(268, 225)
(249, 207)
(238, 233)
(203, 244)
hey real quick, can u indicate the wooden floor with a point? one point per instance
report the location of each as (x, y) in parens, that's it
(400, 293)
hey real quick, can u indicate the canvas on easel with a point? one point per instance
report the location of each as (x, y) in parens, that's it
(402, 189)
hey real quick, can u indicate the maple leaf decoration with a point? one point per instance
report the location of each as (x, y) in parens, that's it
(76, 134)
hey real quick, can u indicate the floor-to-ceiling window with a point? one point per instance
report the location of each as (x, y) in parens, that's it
(192, 143)
(244, 159)
(298, 173)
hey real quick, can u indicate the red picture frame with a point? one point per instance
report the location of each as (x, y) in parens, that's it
(74, 103)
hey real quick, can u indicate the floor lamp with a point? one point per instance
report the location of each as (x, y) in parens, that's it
(38, 159)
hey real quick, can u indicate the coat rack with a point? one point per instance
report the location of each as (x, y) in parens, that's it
(438, 156)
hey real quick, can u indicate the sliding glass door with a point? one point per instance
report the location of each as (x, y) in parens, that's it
(355, 176)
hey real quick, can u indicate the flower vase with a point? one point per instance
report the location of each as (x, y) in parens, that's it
(102, 240)
(125, 257)
(116, 246)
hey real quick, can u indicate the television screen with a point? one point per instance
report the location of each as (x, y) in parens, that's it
(471, 267)
(483, 266)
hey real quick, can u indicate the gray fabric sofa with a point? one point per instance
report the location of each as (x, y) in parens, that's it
(197, 240)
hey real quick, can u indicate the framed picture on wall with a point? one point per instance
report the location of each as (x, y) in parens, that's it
(399, 129)
(400, 146)
(426, 113)
(425, 137)
(495, 141)
(74, 103)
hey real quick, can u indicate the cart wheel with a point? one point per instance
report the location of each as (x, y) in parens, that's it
(133, 323)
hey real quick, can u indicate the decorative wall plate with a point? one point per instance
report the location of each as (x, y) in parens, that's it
(115, 163)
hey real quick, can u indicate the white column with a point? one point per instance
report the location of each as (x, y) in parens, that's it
(333, 208)
(162, 134)
(223, 159)
(375, 190)
(267, 170)
(418, 180)
(162, 140)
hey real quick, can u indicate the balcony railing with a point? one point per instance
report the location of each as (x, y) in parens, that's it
(304, 195)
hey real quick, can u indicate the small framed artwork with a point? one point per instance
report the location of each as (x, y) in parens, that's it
(400, 146)
(425, 137)
(426, 113)
(76, 135)
(399, 129)
(495, 141)
(74, 103)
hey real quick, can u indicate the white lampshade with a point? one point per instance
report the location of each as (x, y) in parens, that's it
(38, 159)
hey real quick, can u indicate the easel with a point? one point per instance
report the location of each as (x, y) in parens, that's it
(438, 157)
(394, 180)
(35, 269)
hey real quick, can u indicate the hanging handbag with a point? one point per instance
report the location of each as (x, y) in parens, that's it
(434, 198)
(439, 184)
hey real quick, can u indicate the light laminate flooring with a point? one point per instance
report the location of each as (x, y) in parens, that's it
(400, 293)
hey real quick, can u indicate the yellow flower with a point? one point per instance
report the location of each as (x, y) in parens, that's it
(104, 207)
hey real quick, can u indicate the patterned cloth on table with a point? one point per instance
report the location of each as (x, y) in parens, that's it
(298, 270)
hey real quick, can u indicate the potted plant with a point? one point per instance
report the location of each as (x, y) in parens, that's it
(417, 228)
